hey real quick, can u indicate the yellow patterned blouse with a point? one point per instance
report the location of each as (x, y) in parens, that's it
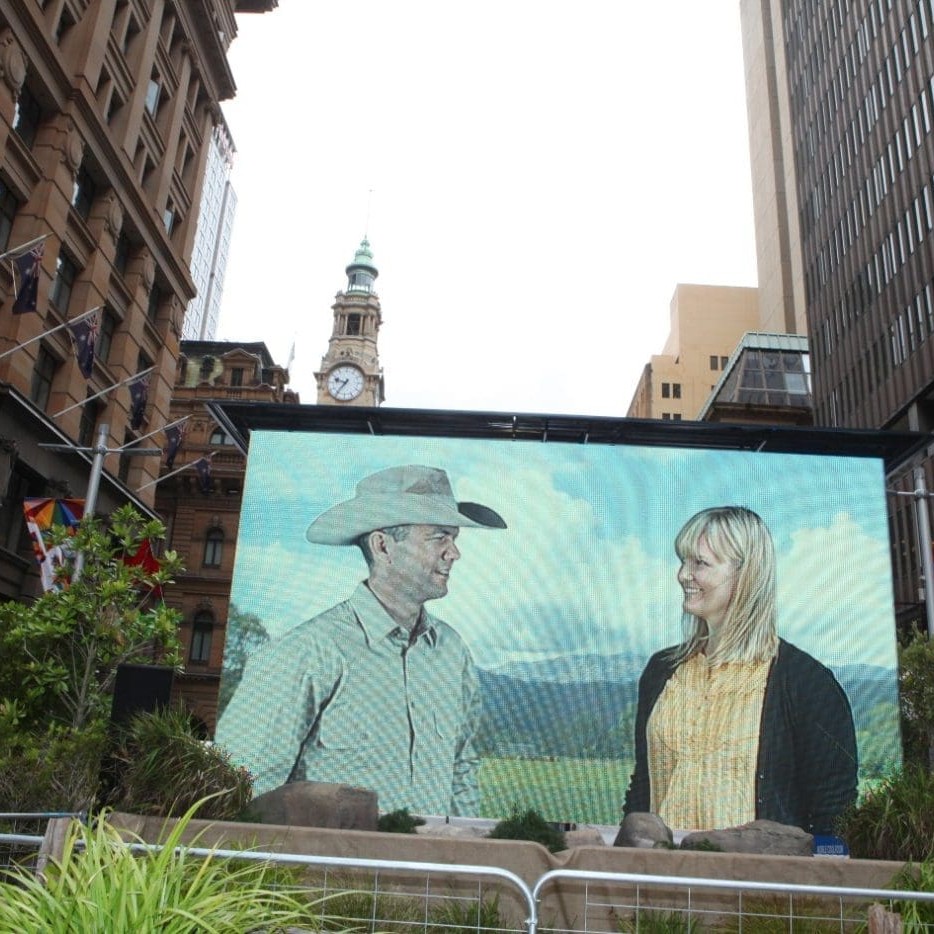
(703, 738)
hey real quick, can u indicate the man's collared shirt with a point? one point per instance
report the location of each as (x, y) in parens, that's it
(351, 697)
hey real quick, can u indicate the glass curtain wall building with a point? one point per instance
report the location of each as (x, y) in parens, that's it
(841, 113)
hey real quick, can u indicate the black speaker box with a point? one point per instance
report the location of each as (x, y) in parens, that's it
(139, 689)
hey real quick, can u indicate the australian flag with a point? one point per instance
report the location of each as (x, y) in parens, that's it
(27, 268)
(203, 466)
(84, 333)
(139, 394)
(174, 437)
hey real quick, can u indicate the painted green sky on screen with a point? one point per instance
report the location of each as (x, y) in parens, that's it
(587, 564)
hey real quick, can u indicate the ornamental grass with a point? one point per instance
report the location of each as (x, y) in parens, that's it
(101, 886)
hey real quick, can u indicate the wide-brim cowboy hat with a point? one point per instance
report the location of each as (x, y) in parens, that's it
(411, 495)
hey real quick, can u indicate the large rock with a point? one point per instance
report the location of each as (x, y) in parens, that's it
(583, 836)
(461, 831)
(317, 804)
(644, 830)
(759, 836)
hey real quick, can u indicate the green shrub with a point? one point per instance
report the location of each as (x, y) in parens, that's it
(894, 819)
(399, 822)
(916, 686)
(100, 885)
(161, 767)
(399, 914)
(529, 826)
(53, 770)
(916, 916)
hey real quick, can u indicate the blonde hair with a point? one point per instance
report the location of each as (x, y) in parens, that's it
(738, 535)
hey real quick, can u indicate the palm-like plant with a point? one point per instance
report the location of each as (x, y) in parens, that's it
(101, 885)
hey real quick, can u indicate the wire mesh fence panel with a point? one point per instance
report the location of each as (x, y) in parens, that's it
(21, 837)
(603, 903)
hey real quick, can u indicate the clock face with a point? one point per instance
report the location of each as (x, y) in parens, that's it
(345, 383)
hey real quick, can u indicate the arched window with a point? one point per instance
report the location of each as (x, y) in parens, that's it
(213, 548)
(202, 631)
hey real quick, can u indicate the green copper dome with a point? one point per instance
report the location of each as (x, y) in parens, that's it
(362, 272)
(363, 257)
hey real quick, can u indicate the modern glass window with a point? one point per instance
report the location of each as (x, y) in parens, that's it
(85, 190)
(42, 375)
(105, 336)
(155, 302)
(153, 93)
(27, 116)
(202, 633)
(213, 548)
(66, 272)
(122, 254)
(8, 208)
(87, 424)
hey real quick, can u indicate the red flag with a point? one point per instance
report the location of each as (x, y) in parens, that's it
(27, 266)
(145, 559)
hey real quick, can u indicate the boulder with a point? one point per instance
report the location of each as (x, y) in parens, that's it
(644, 830)
(317, 804)
(759, 836)
(463, 831)
(583, 836)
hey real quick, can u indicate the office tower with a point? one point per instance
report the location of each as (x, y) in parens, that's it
(706, 323)
(212, 240)
(841, 104)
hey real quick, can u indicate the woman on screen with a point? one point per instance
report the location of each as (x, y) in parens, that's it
(735, 724)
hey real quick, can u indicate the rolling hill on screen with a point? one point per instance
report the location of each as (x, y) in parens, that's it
(585, 706)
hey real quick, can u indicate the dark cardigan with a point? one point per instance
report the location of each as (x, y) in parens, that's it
(806, 764)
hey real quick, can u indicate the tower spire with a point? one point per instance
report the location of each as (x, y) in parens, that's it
(362, 272)
(350, 373)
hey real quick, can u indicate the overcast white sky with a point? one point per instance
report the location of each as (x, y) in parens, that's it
(543, 174)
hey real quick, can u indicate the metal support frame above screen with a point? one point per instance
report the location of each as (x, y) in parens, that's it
(895, 449)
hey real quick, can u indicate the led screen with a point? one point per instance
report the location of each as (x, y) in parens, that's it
(525, 693)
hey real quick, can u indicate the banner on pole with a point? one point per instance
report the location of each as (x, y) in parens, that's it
(54, 560)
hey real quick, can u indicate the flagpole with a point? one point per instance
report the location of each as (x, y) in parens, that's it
(58, 327)
(97, 395)
(94, 482)
(177, 470)
(155, 431)
(25, 246)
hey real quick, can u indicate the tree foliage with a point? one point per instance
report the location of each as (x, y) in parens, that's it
(59, 657)
(916, 681)
(245, 635)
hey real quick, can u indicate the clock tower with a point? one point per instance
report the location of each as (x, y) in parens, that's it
(350, 373)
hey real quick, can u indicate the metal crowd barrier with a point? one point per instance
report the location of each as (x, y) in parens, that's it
(22, 834)
(602, 901)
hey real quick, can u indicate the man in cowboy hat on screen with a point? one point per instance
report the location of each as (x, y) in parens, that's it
(374, 692)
